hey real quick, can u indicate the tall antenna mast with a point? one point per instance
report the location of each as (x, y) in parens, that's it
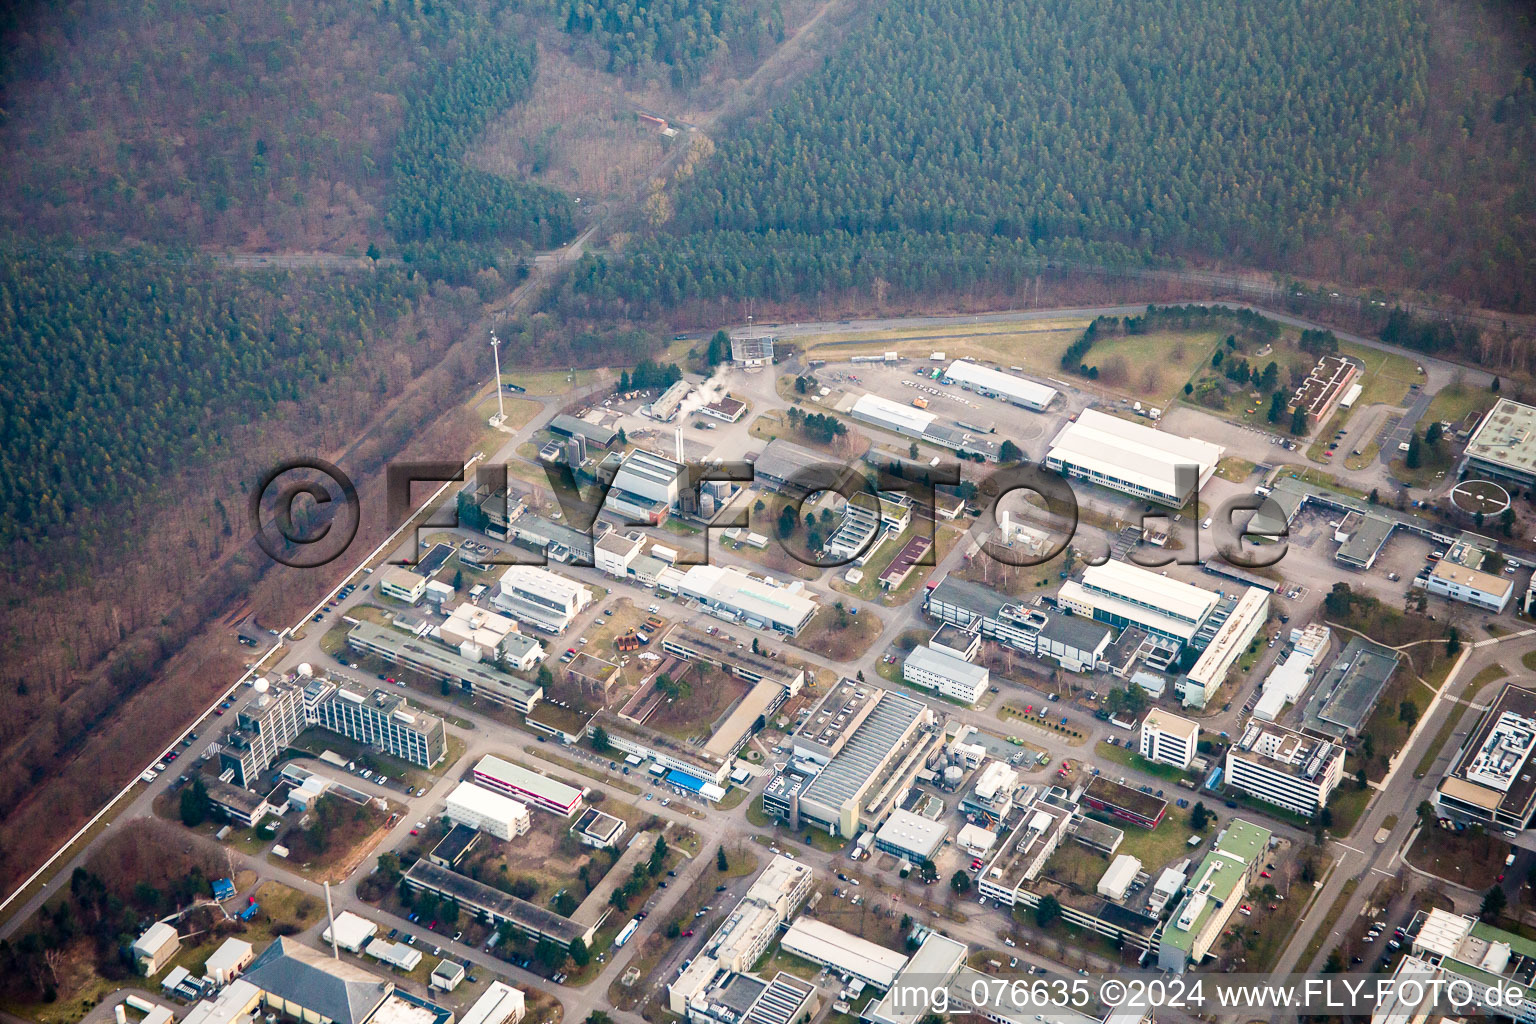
(501, 411)
(330, 914)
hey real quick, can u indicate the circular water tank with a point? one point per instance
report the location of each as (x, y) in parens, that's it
(706, 504)
(261, 684)
(306, 670)
(953, 774)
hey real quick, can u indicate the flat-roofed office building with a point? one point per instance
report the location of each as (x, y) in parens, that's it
(540, 598)
(1169, 739)
(1491, 780)
(1123, 594)
(1285, 768)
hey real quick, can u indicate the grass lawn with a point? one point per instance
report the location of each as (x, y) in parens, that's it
(776, 960)
(837, 636)
(1387, 375)
(1313, 475)
(1348, 803)
(1158, 847)
(1457, 400)
(756, 816)
(1151, 367)
(1471, 860)
(1234, 469)
(551, 382)
(1434, 463)
(1275, 928)
(1130, 759)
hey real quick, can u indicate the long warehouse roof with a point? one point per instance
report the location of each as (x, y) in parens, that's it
(1003, 383)
(844, 950)
(1130, 452)
(1144, 587)
(866, 751)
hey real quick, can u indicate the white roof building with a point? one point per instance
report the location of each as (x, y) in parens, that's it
(501, 1004)
(1169, 739)
(1118, 877)
(823, 944)
(232, 957)
(396, 954)
(732, 593)
(521, 783)
(1128, 593)
(1015, 389)
(540, 598)
(1285, 684)
(488, 811)
(911, 836)
(486, 630)
(889, 415)
(975, 840)
(1132, 458)
(232, 1005)
(946, 674)
(1208, 673)
(351, 931)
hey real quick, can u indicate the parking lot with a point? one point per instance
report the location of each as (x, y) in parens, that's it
(902, 382)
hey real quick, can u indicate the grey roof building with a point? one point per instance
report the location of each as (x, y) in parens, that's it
(304, 983)
(782, 460)
(880, 747)
(570, 426)
(1342, 701)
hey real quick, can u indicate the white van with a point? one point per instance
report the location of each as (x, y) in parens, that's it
(1206, 525)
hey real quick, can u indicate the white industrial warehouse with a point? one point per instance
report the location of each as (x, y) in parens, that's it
(730, 592)
(889, 415)
(1005, 385)
(1132, 458)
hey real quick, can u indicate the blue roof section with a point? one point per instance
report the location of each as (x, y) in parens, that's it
(685, 780)
(223, 889)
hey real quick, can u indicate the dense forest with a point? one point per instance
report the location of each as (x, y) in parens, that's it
(266, 125)
(116, 371)
(686, 36)
(969, 136)
(436, 197)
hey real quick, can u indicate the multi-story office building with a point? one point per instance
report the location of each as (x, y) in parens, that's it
(525, 785)
(1168, 738)
(382, 720)
(1075, 643)
(853, 756)
(1123, 594)
(443, 663)
(1023, 856)
(1491, 968)
(1485, 590)
(1215, 891)
(1504, 445)
(1491, 781)
(946, 674)
(1284, 768)
(267, 723)
(540, 598)
(487, 811)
